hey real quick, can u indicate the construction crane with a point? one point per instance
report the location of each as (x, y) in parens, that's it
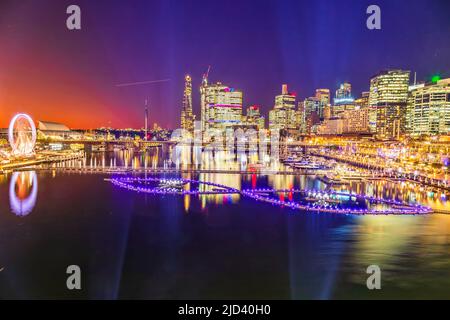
(205, 76)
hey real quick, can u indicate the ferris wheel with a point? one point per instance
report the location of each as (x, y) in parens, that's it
(22, 135)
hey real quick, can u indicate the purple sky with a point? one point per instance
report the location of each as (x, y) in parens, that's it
(255, 46)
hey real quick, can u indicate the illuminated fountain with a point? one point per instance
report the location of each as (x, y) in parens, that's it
(22, 135)
(314, 201)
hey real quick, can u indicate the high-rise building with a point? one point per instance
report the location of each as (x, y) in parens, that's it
(388, 95)
(187, 116)
(327, 112)
(254, 118)
(354, 121)
(343, 100)
(284, 115)
(301, 117)
(344, 94)
(428, 110)
(323, 96)
(363, 103)
(357, 120)
(311, 108)
(221, 106)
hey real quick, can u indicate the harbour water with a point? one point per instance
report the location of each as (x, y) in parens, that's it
(136, 245)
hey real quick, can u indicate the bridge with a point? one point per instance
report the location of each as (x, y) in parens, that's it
(160, 170)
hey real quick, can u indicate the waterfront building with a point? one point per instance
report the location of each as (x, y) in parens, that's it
(356, 121)
(388, 95)
(283, 115)
(221, 106)
(428, 109)
(56, 131)
(332, 126)
(187, 116)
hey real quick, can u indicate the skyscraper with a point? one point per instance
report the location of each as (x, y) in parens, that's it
(344, 94)
(428, 110)
(187, 116)
(323, 95)
(221, 106)
(388, 95)
(343, 100)
(254, 117)
(311, 107)
(363, 103)
(283, 115)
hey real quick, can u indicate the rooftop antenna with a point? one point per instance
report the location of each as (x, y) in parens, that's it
(415, 77)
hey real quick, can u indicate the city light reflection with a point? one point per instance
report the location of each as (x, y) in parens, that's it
(23, 190)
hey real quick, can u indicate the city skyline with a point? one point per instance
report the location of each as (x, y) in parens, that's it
(247, 150)
(73, 79)
(244, 106)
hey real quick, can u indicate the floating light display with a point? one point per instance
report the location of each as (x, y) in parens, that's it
(171, 187)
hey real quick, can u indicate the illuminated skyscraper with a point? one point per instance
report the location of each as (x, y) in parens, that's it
(311, 107)
(428, 110)
(221, 106)
(323, 95)
(344, 94)
(254, 117)
(187, 116)
(343, 100)
(301, 119)
(284, 115)
(389, 94)
(363, 103)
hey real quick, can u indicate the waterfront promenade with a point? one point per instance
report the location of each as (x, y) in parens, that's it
(382, 171)
(43, 159)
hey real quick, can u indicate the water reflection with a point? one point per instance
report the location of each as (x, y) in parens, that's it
(409, 192)
(23, 189)
(168, 247)
(188, 158)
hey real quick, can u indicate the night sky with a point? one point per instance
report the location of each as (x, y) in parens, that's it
(71, 76)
